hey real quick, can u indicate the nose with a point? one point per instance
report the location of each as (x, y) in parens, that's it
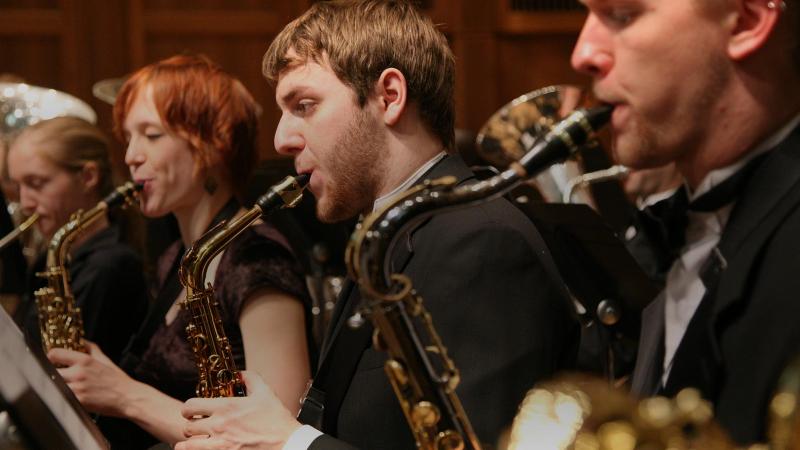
(27, 199)
(288, 139)
(592, 53)
(134, 156)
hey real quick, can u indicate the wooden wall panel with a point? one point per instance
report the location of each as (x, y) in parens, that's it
(503, 49)
(527, 63)
(235, 34)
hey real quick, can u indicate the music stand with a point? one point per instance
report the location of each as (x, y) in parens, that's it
(41, 406)
(610, 287)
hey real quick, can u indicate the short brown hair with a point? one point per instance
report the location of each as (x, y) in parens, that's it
(359, 39)
(202, 104)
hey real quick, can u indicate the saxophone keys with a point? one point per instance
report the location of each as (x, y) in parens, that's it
(449, 440)
(425, 414)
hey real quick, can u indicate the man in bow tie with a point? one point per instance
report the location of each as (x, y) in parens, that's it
(721, 99)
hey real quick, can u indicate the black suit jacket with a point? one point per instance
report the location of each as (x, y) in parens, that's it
(736, 349)
(503, 320)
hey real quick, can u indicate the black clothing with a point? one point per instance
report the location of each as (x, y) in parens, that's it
(502, 319)
(107, 282)
(745, 329)
(12, 261)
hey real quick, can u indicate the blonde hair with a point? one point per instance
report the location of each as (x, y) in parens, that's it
(70, 143)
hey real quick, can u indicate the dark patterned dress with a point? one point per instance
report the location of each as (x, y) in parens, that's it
(258, 258)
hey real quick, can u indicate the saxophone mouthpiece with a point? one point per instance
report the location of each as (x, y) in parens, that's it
(123, 195)
(302, 179)
(599, 116)
(286, 194)
(565, 138)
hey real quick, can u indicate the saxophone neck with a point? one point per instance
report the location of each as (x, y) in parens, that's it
(195, 261)
(286, 194)
(80, 221)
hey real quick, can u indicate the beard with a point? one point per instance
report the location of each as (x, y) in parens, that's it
(356, 166)
(675, 131)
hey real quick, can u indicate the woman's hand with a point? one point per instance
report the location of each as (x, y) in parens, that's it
(98, 383)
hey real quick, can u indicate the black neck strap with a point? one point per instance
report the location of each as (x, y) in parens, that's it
(165, 298)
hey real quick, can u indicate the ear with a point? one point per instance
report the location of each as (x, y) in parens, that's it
(391, 92)
(90, 176)
(755, 22)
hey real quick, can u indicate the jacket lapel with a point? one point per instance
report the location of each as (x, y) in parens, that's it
(769, 196)
(647, 373)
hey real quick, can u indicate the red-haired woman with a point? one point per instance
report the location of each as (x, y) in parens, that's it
(190, 130)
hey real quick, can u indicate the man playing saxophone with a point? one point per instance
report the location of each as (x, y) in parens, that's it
(366, 91)
(62, 165)
(720, 99)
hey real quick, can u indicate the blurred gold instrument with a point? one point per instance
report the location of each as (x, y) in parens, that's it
(9, 238)
(60, 322)
(518, 125)
(217, 373)
(577, 412)
(587, 414)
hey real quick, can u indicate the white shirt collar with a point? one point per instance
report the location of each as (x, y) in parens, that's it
(717, 176)
(385, 199)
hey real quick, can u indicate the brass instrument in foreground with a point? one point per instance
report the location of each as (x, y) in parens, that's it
(60, 322)
(422, 375)
(587, 414)
(218, 376)
(577, 412)
(9, 238)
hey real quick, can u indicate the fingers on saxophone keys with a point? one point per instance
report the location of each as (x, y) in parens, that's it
(65, 358)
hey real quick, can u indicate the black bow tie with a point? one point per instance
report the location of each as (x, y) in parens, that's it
(664, 223)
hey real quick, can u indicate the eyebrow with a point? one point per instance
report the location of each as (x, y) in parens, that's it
(141, 125)
(294, 92)
(288, 97)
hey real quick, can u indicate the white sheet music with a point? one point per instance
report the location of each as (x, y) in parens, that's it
(20, 372)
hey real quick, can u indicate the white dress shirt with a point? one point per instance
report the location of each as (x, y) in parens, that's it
(302, 438)
(684, 289)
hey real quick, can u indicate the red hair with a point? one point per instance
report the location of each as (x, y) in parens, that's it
(201, 103)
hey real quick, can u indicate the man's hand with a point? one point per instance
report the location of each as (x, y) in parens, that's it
(258, 421)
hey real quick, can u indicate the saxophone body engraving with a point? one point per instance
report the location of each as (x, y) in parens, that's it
(421, 373)
(60, 322)
(217, 372)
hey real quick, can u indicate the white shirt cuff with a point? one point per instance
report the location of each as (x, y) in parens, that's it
(302, 438)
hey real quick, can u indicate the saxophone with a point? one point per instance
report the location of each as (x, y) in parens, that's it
(60, 322)
(422, 375)
(218, 376)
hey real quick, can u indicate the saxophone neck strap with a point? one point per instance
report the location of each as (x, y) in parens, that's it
(165, 298)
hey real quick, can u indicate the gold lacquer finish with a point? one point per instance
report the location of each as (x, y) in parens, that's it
(580, 413)
(217, 373)
(423, 376)
(9, 238)
(60, 322)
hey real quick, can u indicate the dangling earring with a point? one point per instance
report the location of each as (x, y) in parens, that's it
(210, 185)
